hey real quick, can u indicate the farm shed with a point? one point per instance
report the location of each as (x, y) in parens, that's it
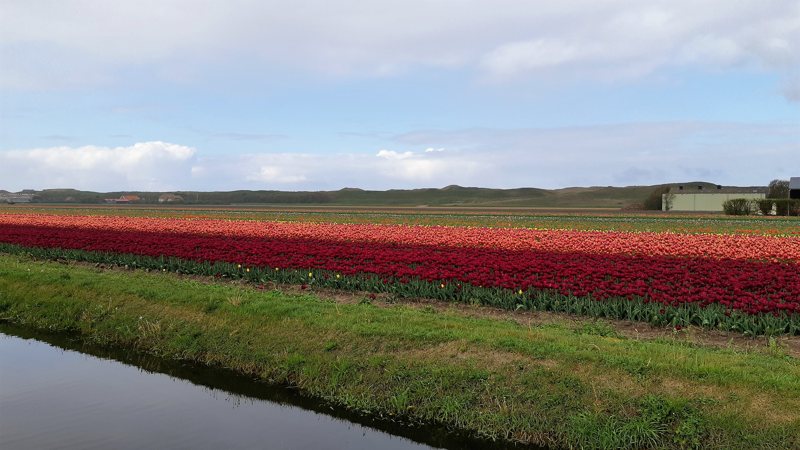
(123, 199)
(9, 197)
(700, 198)
(794, 187)
(170, 198)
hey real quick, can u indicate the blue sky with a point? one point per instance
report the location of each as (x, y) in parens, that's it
(323, 95)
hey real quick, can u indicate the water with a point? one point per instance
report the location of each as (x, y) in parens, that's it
(64, 394)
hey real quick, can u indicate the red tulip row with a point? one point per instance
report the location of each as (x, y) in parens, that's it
(751, 286)
(755, 247)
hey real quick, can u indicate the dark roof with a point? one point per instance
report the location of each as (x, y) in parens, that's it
(693, 189)
(794, 183)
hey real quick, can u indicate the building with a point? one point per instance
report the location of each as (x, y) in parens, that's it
(124, 199)
(794, 187)
(11, 198)
(703, 199)
(170, 198)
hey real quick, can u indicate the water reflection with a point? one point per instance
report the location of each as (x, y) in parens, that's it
(63, 393)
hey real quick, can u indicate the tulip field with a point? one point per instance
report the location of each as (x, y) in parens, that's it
(734, 280)
(580, 220)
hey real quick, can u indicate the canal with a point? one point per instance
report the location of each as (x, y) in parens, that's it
(59, 392)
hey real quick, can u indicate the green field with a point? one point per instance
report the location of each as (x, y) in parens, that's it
(534, 378)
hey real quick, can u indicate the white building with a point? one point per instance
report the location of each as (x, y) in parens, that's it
(703, 199)
(10, 197)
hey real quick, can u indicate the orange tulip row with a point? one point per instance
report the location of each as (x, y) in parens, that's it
(752, 247)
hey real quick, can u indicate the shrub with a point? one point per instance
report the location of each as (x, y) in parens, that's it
(738, 207)
(785, 206)
(765, 206)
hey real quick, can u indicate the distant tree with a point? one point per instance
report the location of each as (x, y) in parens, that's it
(653, 200)
(778, 189)
(669, 198)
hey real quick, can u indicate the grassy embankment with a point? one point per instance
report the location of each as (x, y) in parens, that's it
(558, 383)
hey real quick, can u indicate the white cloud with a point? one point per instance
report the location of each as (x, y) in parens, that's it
(421, 167)
(147, 165)
(637, 39)
(385, 169)
(623, 154)
(272, 174)
(426, 166)
(48, 44)
(258, 171)
(708, 48)
(391, 154)
(515, 57)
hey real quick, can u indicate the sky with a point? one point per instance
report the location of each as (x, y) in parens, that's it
(326, 94)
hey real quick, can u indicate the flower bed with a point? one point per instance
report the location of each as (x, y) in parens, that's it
(755, 275)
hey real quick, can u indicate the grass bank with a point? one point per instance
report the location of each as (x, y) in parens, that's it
(550, 384)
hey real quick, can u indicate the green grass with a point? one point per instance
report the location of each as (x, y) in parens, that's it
(552, 384)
